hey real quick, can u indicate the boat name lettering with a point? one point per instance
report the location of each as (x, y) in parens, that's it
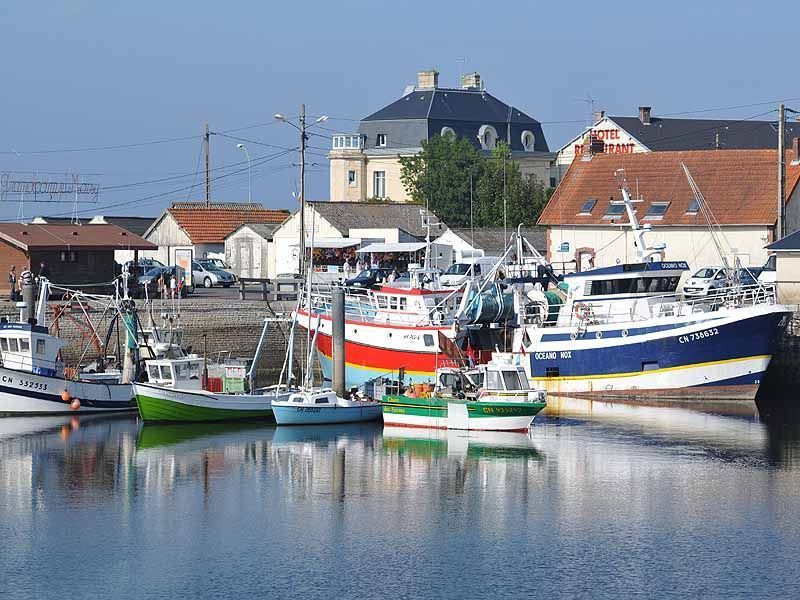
(308, 409)
(500, 410)
(33, 385)
(698, 335)
(411, 336)
(552, 355)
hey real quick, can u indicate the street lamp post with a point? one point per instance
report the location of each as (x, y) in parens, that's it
(249, 178)
(302, 128)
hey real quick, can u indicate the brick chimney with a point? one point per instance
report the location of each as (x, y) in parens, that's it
(472, 81)
(599, 115)
(644, 115)
(428, 80)
(796, 150)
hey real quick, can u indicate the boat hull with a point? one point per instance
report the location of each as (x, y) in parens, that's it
(715, 355)
(28, 393)
(473, 416)
(325, 415)
(157, 404)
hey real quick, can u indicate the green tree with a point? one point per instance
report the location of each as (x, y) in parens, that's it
(505, 195)
(440, 175)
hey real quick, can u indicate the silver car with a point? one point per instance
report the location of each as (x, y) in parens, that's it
(707, 281)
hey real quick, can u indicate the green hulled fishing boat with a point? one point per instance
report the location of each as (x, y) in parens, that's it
(174, 393)
(492, 397)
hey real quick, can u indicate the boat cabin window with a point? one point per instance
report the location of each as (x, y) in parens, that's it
(165, 372)
(152, 372)
(194, 370)
(382, 301)
(24, 345)
(181, 371)
(393, 302)
(428, 338)
(40, 346)
(13, 346)
(4, 344)
(322, 400)
(635, 285)
(403, 303)
(493, 381)
(515, 380)
(298, 399)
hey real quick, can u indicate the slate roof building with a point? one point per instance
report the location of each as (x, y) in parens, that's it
(202, 228)
(345, 227)
(584, 228)
(648, 133)
(365, 165)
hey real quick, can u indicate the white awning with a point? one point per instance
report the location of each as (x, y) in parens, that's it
(332, 242)
(398, 247)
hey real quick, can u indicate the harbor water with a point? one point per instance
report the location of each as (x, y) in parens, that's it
(600, 500)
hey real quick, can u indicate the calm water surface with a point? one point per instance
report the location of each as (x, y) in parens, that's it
(600, 500)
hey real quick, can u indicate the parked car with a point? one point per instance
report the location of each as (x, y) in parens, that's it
(152, 277)
(707, 280)
(209, 277)
(145, 264)
(459, 272)
(217, 264)
(368, 278)
(768, 271)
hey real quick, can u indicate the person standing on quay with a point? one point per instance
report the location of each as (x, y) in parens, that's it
(12, 283)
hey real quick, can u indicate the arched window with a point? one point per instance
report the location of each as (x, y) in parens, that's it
(448, 132)
(487, 135)
(528, 140)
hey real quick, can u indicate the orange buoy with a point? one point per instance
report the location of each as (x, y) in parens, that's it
(65, 396)
(76, 404)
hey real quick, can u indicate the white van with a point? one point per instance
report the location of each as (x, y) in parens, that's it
(457, 273)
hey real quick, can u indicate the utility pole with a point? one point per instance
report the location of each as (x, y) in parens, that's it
(208, 169)
(780, 229)
(302, 187)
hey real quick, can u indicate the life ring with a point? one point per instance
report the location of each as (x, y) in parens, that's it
(581, 311)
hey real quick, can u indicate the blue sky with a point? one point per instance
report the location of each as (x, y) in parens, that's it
(87, 74)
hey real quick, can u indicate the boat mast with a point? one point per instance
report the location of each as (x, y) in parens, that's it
(643, 251)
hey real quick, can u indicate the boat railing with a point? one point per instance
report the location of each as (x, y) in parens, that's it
(585, 312)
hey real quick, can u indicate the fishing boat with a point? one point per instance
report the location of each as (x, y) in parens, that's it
(174, 392)
(626, 331)
(318, 406)
(491, 397)
(32, 377)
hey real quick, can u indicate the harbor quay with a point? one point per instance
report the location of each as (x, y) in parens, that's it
(230, 329)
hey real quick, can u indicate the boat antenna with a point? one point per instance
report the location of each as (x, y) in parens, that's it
(643, 251)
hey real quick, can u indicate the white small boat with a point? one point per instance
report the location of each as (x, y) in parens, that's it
(32, 375)
(317, 406)
(174, 392)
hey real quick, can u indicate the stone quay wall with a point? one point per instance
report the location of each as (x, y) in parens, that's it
(232, 326)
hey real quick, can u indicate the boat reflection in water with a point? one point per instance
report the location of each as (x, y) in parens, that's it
(229, 505)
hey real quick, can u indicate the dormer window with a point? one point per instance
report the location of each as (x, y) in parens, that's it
(614, 211)
(487, 136)
(694, 206)
(380, 140)
(656, 210)
(588, 206)
(528, 140)
(448, 132)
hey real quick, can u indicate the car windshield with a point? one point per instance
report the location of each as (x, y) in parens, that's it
(153, 272)
(705, 273)
(457, 269)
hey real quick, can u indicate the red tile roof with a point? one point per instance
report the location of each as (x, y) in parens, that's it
(210, 225)
(740, 186)
(60, 237)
